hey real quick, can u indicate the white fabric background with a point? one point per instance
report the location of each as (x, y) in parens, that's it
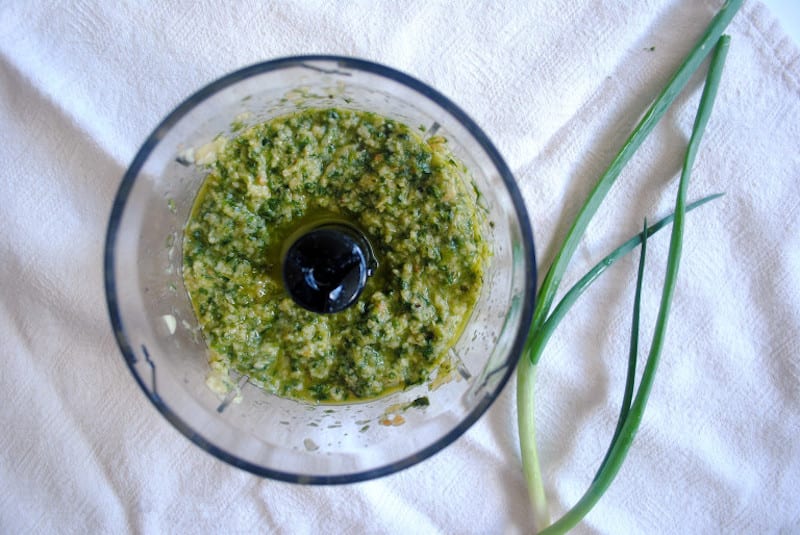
(557, 85)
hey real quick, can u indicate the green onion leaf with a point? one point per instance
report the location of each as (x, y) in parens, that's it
(569, 299)
(633, 352)
(620, 446)
(654, 113)
(526, 371)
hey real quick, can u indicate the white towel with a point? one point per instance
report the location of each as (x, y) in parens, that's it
(557, 86)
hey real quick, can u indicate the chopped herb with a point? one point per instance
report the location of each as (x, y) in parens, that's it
(362, 169)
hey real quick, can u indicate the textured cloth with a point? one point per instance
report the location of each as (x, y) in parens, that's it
(557, 86)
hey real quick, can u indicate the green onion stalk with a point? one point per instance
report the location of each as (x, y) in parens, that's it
(544, 322)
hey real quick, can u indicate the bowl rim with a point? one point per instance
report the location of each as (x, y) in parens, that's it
(345, 62)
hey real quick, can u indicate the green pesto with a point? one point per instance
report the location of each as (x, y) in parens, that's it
(410, 197)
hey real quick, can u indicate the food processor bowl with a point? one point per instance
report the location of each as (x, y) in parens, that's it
(271, 436)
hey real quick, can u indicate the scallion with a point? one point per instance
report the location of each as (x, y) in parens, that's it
(544, 322)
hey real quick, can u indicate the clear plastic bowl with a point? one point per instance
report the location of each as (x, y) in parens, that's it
(267, 435)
